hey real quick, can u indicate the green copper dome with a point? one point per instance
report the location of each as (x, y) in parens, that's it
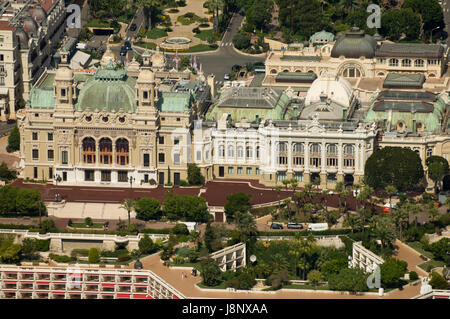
(354, 44)
(110, 89)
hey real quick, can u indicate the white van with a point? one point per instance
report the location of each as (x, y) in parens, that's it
(317, 226)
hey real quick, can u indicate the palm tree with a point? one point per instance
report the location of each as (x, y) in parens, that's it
(287, 202)
(364, 215)
(148, 6)
(301, 248)
(353, 222)
(278, 189)
(401, 217)
(339, 189)
(356, 188)
(129, 205)
(325, 193)
(286, 182)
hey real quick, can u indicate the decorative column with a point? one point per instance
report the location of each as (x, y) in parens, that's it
(289, 155)
(340, 175)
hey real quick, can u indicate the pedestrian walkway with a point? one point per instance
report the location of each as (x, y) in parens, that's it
(411, 256)
(187, 287)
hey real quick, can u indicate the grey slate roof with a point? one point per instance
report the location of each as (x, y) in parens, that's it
(402, 106)
(412, 50)
(406, 95)
(404, 80)
(296, 77)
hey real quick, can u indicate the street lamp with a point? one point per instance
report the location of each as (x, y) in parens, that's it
(57, 179)
(431, 35)
(131, 186)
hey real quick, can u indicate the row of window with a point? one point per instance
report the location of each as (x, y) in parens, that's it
(316, 161)
(35, 136)
(240, 170)
(419, 63)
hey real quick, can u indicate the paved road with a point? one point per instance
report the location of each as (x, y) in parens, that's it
(446, 8)
(6, 127)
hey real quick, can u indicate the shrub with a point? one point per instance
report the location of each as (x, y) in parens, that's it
(413, 275)
(189, 15)
(88, 221)
(180, 229)
(178, 260)
(183, 183)
(241, 40)
(42, 244)
(147, 208)
(61, 258)
(69, 223)
(193, 256)
(196, 30)
(124, 257)
(93, 256)
(168, 29)
(204, 25)
(182, 238)
(79, 252)
(438, 281)
(13, 140)
(152, 182)
(146, 245)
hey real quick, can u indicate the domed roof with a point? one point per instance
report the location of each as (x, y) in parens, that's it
(39, 14)
(22, 37)
(30, 26)
(336, 88)
(354, 44)
(158, 59)
(110, 89)
(146, 76)
(64, 73)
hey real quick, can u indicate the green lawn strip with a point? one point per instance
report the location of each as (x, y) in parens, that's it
(205, 34)
(418, 247)
(201, 48)
(155, 33)
(147, 45)
(433, 263)
(95, 23)
(83, 225)
(222, 285)
(186, 21)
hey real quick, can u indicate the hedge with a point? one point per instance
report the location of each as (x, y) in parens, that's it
(43, 244)
(305, 233)
(14, 226)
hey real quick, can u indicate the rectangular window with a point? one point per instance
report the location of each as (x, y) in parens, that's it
(2, 80)
(230, 170)
(281, 176)
(282, 160)
(65, 176)
(298, 161)
(257, 171)
(315, 162)
(35, 136)
(332, 162)
(145, 95)
(50, 155)
(89, 175)
(50, 136)
(178, 119)
(35, 154)
(298, 177)
(2, 57)
(249, 171)
(349, 162)
(161, 140)
(331, 178)
(240, 170)
(161, 157)
(122, 176)
(146, 160)
(50, 172)
(63, 92)
(176, 158)
(35, 172)
(106, 176)
(199, 155)
(176, 141)
(64, 157)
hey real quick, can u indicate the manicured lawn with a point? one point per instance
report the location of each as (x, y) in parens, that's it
(434, 263)
(147, 45)
(311, 287)
(155, 33)
(205, 34)
(98, 24)
(201, 48)
(222, 285)
(83, 225)
(186, 21)
(417, 246)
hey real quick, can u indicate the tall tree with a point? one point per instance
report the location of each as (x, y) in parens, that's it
(301, 248)
(128, 204)
(437, 169)
(148, 7)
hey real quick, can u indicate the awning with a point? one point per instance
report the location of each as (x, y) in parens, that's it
(108, 285)
(123, 295)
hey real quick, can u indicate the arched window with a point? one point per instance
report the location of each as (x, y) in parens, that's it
(257, 152)
(285, 70)
(221, 151)
(419, 63)
(406, 62)
(351, 73)
(106, 151)
(349, 150)
(122, 152)
(401, 126)
(89, 150)
(240, 151)
(380, 74)
(273, 71)
(332, 149)
(230, 151)
(298, 148)
(393, 62)
(249, 152)
(315, 148)
(282, 147)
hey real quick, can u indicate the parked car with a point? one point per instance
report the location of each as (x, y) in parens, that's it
(292, 225)
(123, 50)
(127, 45)
(276, 226)
(318, 226)
(133, 27)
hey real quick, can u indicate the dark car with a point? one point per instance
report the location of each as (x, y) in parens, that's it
(133, 27)
(276, 226)
(127, 45)
(293, 225)
(123, 50)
